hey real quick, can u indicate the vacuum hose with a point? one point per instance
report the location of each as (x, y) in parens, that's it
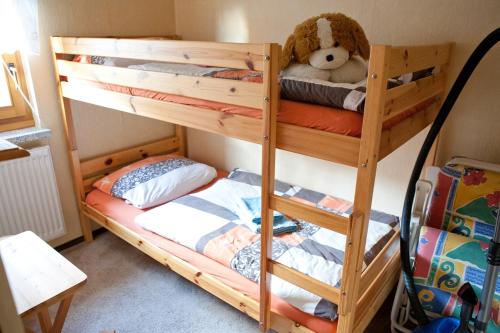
(450, 100)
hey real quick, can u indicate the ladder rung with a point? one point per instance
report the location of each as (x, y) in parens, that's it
(298, 210)
(304, 281)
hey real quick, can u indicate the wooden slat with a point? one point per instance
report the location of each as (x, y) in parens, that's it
(94, 165)
(378, 264)
(401, 90)
(268, 130)
(320, 144)
(44, 320)
(407, 59)
(304, 281)
(298, 210)
(397, 135)
(377, 292)
(88, 182)
(233, 55)
(365, 180)
(181, 133)
(421, 91)
(60, 317)
(208, 282)
(73, 154)
(235, 92)
(235, 126)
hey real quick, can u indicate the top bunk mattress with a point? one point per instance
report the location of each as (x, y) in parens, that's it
(308, 115)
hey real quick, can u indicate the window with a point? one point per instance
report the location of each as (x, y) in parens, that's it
(18, 37)
(14, 110)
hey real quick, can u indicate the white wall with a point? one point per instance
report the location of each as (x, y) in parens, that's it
(470, 131)
(98, 130)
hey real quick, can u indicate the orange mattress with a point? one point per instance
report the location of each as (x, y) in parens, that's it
(314, 116)
(124, 214)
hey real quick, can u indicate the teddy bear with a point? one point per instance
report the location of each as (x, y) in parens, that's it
(331, 47)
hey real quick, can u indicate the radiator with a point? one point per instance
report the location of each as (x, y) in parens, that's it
(29, 199)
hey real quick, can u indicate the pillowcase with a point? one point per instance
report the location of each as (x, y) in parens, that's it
(156, 180)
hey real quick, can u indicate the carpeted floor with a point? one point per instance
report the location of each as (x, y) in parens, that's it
(129, 292)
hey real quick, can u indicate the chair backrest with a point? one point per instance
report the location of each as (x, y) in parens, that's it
(466, 198)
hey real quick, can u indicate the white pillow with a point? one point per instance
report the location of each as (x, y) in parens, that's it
(156, 180)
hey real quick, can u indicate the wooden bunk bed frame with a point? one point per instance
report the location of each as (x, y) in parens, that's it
(362, 291)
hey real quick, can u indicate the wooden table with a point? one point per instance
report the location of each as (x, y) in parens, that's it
(39, 277)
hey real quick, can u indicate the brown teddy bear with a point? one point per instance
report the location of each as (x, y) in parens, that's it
(330, 47)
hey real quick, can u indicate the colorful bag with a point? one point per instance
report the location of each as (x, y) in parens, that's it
(465, 201)
(444, 262)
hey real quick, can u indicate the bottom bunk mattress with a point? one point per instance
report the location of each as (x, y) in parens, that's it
(206, 230)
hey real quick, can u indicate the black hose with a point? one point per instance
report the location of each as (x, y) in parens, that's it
(450, 100)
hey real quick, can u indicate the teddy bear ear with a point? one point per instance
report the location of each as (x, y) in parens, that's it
(287, 53)
(362, 44)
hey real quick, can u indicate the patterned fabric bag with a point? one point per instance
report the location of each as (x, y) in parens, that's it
(444, 262)
(452, 247)
(465, 201)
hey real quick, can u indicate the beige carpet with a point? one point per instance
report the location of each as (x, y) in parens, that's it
(129, 292)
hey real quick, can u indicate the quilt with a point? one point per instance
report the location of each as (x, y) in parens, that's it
(208, 223)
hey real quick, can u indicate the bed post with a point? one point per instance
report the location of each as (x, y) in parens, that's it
(73, 154)
(269, 116)
(180, 133)
(365, 179)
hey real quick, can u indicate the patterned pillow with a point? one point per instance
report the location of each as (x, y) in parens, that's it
(156, 180)
(465, 201)
(444, 262)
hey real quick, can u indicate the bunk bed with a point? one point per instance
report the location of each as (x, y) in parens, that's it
(391, 117)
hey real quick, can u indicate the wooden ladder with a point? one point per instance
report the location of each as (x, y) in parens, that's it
(354, 227)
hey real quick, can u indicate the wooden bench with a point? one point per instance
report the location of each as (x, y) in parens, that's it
(39, 277)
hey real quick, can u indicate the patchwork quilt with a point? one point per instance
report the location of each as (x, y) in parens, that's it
(207, 222)
(444, 262)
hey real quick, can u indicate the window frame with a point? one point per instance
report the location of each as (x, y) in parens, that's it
(19, 114)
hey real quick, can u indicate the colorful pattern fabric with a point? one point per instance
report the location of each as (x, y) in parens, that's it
(444, 262)
(465, 201)
(207, 222)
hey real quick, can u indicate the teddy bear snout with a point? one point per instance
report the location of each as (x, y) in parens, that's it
(329, 58)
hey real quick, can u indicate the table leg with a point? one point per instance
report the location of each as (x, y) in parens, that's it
(62, 311)
(44, 319)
